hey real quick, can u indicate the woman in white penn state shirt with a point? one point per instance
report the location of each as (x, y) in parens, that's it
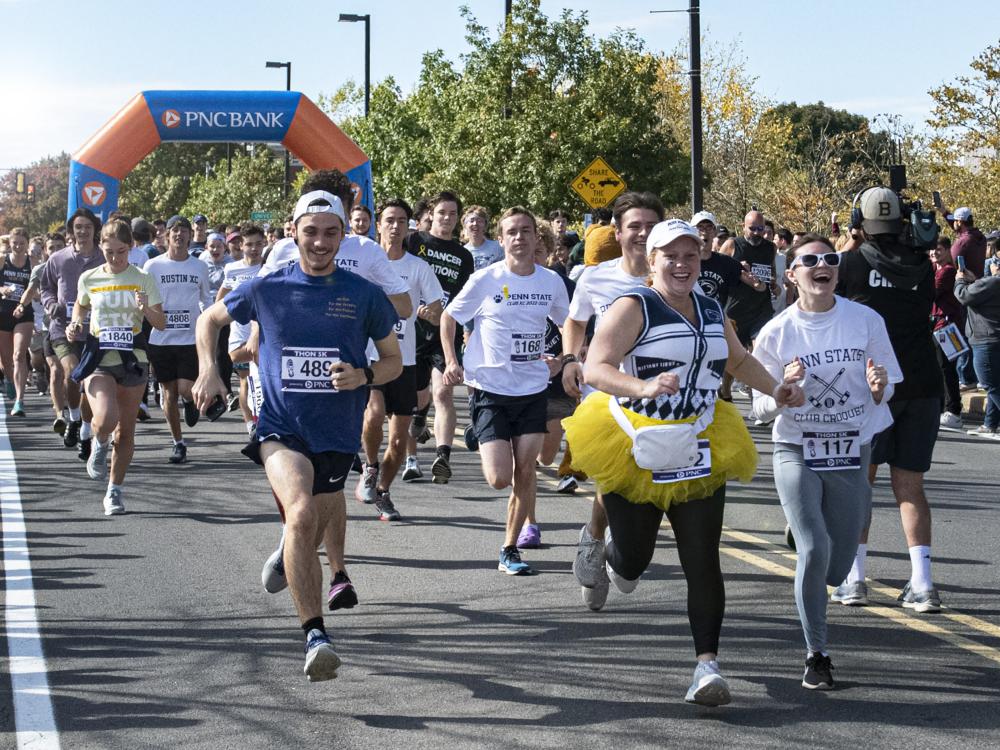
(839, 351)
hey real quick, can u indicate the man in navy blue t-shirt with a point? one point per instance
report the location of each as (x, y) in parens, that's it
(315, 322)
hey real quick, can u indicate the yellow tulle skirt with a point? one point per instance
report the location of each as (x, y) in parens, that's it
(602, 450)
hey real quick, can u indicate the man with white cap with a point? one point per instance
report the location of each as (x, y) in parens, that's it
(970, 243)
(315, 323)
(719, 273)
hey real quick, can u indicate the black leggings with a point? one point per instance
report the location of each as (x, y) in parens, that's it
(697, 526)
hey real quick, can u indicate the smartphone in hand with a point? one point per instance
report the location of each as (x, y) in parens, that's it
(937, 200)
(961, 263)
(216, 409)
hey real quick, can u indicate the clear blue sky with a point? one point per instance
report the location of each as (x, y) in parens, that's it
(873, 57)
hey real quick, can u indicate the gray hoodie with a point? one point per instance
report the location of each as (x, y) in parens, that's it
(982, 299)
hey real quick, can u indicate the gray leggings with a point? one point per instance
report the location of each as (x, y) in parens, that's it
(827, 511)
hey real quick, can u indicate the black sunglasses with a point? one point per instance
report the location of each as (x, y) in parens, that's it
(810, 260)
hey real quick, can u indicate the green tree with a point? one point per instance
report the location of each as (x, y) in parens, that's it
(530, 107)
(161, 183)
(255, 184)
(50, 176)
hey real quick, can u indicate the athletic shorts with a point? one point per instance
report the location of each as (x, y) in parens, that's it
(431, 357)
(497, 417)
(560, 407)
(8, 321)
(400, 394)
(47, 349)
(330, 468)
(65, 348)
(125, 378)
(37, 341)
(747, 330)
(908, 443)
(170, 363)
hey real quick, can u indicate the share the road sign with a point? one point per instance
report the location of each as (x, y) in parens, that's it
(598, 184)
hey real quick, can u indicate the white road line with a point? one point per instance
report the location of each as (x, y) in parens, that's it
(34, 721)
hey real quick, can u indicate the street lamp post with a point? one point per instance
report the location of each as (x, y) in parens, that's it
(367, 19)
(288, 87)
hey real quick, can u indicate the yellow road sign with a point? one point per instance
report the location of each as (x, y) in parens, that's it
(598, 184)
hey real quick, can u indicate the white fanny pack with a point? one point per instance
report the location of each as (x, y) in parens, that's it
(659, 447)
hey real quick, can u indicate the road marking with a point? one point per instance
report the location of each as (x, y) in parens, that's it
(896, 614)
(34, 721)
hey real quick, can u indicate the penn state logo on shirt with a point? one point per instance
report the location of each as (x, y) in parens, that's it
(710, 287)
(712, 315)
(503, 294)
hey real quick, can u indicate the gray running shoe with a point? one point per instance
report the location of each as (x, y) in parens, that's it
(441, 469)
(588, 567)
(709, 687)
(595, 596)
(851, 594)
(920, 601)
(384, 505)
(97, 462)
(365, 489)
(322, 661)
(113, 505)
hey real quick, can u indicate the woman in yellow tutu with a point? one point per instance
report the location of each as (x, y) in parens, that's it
(657, 361)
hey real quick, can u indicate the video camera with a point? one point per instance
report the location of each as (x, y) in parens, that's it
(920, 227)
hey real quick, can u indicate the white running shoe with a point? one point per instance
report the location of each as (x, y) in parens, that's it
(709, 687)
(567, 485)
(622, 584)
(97, 462)
(113, 505)
(273, 574)
(951, 421)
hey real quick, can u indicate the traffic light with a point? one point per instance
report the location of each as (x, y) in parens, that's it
(19, 189)
(30, 190)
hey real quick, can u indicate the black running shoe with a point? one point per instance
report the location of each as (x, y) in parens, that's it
(342, 594)
(179, 454)
(84, 453)
(417, 425)
(191, 413)
(470, 439)
(72, 435)
(818, 675)
(441, 469)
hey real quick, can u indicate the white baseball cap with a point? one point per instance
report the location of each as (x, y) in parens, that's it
(960, 214)
(703, 216)
(668, 231)
(319, 202)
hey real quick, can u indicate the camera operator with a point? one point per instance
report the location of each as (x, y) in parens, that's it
(893, 276)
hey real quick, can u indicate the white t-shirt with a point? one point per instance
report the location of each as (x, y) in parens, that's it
(598, 287)
(235, 274)
(834, 347)
(486, 254)
(357, 254)
(138, 257)
(424, 288)
(505, 354)
(186, 292)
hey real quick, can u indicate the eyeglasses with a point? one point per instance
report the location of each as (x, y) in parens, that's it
(756, 228)
(811, 260)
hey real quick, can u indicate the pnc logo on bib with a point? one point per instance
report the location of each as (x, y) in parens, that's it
(171, 118)
(94, 193)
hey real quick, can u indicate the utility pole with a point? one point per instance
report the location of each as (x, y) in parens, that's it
(288, 87)
(694, 71)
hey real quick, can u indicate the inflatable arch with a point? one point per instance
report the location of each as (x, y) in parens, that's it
(153, 117)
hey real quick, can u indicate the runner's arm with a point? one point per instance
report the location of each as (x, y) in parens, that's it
(402, 303)
(574, 334)
(208, 385)
(744, 367)
(388, 367)
(453, 374)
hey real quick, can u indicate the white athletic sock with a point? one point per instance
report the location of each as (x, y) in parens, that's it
(74, 414)
(920, 566)
(857, 574)
(86, 432)
(113, 486)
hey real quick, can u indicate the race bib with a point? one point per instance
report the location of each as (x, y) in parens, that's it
(117, 338)
(700, 468)
(178, 320)
(832, 451)
(308, 370)
(400, 329)
(69, 313)
(16, 290)
(526, 347)
(761, 271)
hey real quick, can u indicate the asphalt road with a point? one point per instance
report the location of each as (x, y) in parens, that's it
(157, 633)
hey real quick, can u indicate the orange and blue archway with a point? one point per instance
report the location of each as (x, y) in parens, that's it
(155, 117)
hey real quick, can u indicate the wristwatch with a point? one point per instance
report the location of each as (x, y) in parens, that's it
(369, 375)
